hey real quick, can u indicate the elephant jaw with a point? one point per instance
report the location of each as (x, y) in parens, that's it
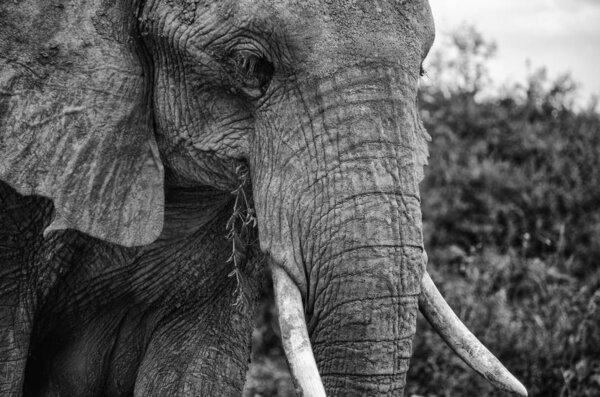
(302, 363)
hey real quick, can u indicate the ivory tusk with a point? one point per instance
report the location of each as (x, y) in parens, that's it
(436, 310)
(294, 335)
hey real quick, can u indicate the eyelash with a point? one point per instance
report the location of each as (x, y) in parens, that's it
(252, 73)
(422, 71)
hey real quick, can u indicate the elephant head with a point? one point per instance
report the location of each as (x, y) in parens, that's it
(103, 103)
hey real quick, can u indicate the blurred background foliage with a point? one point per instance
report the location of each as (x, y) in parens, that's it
(511, 212)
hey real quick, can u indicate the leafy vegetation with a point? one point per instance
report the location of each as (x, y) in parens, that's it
(511, 206)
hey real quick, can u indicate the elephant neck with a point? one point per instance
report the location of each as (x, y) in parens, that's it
(190, 210)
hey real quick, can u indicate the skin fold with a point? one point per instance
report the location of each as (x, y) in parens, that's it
(95, 318)
(155, 156)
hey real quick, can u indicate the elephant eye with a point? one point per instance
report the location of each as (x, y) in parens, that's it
(252, 74)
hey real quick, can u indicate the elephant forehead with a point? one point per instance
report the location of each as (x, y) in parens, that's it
(326, 35)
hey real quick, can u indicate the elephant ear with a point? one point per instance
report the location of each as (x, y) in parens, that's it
(75, 121)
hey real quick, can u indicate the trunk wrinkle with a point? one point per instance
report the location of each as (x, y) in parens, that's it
(366, 247)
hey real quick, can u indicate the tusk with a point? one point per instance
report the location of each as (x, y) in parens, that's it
(294, 335)
(441, 317)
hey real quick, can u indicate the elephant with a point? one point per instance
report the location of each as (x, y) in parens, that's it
(160, 159)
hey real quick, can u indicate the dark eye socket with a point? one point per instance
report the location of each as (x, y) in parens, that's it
(422, 71)
(253, 74)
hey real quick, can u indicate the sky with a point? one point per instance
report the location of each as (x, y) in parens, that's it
(562, 35)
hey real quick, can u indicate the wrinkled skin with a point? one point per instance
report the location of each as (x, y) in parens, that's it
(136, 121)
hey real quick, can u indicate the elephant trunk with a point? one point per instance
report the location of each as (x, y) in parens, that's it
(364, 316)
(362, 308)
(345, 225)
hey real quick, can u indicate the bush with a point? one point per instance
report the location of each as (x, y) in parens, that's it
(512, 224)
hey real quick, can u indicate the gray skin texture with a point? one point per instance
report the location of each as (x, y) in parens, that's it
(124, 128)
